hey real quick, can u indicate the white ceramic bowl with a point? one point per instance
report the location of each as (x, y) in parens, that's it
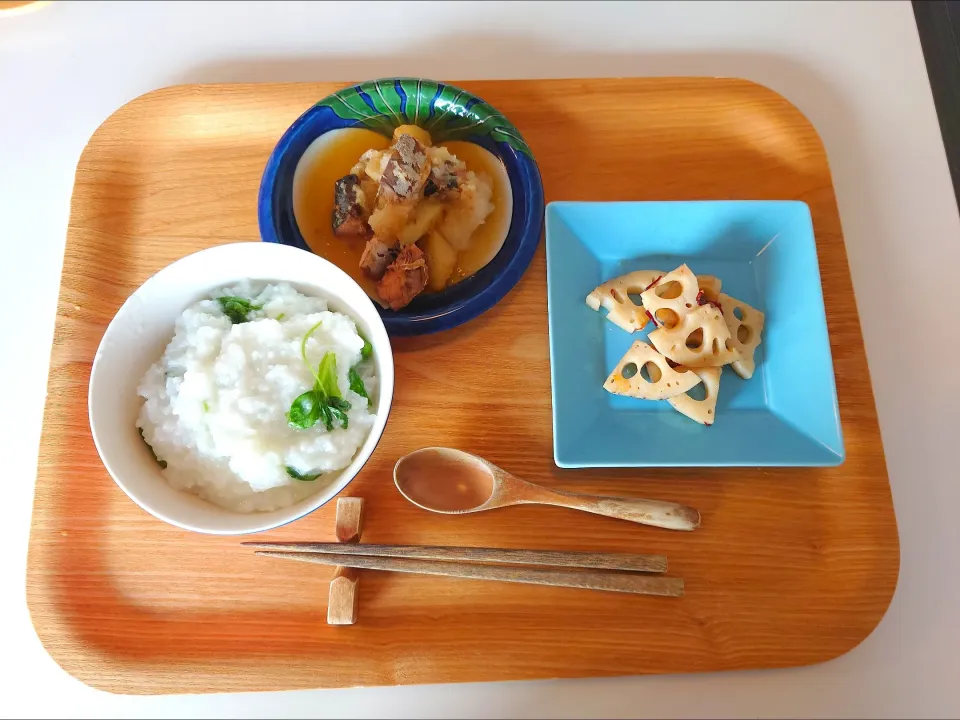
(137, 336)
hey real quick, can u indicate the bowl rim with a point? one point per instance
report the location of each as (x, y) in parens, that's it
(483, 297)
(385, 357)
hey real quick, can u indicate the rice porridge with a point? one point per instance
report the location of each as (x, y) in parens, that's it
(260, 396)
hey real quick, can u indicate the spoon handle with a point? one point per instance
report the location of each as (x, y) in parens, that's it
(657, 513)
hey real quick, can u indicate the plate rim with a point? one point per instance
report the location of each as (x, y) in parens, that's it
(834, 456)
(531, 226)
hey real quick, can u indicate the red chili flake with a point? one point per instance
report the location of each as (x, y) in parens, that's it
(651, 316)
(656, 280)
(702, 300)
(613, 292)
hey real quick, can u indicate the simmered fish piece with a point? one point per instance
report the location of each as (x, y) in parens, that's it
(376, 258)
(350, 209)
(404, 279)
(406, 172)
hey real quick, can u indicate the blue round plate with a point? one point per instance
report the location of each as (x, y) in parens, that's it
(447, 113)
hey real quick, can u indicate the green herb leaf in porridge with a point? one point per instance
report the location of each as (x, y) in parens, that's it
(303, 344)
(305, 477)
(161, 463)
(324, 403)
(356, 384)
(327, 376)
(305, 410)
(367, 349)
(237, 308)
(326, 416)
(338, 409)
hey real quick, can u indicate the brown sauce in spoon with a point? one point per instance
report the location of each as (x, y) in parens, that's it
(443, 480)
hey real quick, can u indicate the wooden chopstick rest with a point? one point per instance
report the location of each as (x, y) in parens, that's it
(343, 599)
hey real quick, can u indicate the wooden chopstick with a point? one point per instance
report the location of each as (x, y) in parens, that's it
(590, 580)
(604, 561)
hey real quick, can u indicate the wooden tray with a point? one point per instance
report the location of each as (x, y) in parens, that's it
(792, 566)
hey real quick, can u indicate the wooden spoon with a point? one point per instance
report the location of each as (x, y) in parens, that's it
(454, 482)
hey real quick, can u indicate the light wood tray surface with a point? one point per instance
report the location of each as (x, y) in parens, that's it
(791, 566)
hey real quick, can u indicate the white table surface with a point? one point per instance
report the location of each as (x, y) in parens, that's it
(854, 68)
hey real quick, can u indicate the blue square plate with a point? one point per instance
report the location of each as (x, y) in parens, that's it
(765, 254)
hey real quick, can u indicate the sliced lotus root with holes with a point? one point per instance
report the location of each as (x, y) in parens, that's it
(614, 295)
(701, 339)
(642, 360)
(701, 411)
(672, 298)
(710, 287)
(745, 332)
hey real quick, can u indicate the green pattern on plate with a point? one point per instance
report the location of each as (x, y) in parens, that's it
(443, 110)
